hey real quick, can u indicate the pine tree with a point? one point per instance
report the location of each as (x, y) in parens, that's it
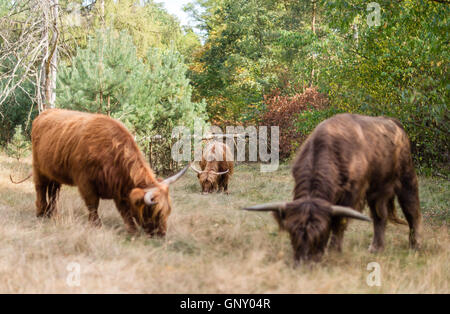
(19, 145)
(162, 95)
(100, 79)
(162, 101)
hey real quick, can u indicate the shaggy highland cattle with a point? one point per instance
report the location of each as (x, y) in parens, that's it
(99, 156)
(346, 161)
(216, 167)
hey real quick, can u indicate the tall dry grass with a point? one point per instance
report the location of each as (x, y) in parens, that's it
(211, 246)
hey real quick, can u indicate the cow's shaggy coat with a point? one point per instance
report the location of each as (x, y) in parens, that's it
(349, 160)
(217, 167)
(99, 156)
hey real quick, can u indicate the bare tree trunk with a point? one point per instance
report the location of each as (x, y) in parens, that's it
(52, 55)
(54, 60)
(42, 80)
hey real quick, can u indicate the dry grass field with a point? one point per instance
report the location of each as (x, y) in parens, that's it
(211, 246)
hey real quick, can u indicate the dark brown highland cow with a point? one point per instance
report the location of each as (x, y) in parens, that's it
(99, 156)
(347, 160)
(216, 167)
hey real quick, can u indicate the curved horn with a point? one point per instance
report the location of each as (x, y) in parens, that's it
(223, 172)
(175, 177)
(148, 198)
(267, 207)
(196, 170)
(348, 212)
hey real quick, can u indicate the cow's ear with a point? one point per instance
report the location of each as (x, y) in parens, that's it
(137, 197)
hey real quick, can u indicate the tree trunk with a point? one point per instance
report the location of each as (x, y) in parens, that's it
(51, 63)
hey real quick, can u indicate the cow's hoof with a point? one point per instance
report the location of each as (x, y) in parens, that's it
(415, 246)
(375, 249)
(96, 223)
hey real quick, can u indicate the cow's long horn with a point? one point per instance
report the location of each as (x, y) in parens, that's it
(148, 198)
(196, 170)
(348, 212)
(223, 172)
(175, 177)
(267, 207)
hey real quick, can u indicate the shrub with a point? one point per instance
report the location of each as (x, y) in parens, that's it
(307, 120)
(19, 145)
(284, 111)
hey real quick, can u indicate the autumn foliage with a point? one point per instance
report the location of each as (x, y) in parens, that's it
(283, 111)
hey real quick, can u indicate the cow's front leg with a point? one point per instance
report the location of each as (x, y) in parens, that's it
(92, 201)
(338, 226)
(225, 183)
(127, 217)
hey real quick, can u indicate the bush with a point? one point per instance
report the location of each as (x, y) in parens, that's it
(309, 119)
(284, 111)
(19, 145)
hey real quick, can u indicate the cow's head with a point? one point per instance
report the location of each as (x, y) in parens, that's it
(151, 207)
(308, 222)
(208, 179)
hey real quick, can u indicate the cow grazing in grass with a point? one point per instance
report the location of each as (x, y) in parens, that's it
(346, 161)
(99, 156)
(216, 167)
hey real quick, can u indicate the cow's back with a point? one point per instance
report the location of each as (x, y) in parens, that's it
(350, 153)
(219, 156)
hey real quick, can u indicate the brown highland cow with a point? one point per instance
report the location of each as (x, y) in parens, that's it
(216, 167)
(346, 161)
(99, 156)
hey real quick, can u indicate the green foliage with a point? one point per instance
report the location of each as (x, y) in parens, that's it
(19, 108)
(161, 101)
(19, 146)
(307, 120)
(230, 70)
(101, 77)
(161, 97)
(398, 69)
(149, 26)
(4, 7)
(255, 47)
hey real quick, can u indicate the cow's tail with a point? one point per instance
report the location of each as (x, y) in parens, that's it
(392, 215)
(18, 182)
